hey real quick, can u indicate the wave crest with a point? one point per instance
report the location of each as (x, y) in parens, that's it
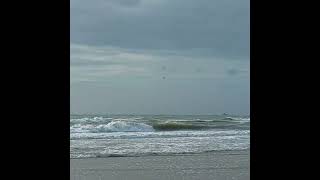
(167, 126)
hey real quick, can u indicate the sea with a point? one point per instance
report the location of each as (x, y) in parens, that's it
(103, 136)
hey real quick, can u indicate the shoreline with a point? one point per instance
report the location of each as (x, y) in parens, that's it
(209, 165)
(221, 152)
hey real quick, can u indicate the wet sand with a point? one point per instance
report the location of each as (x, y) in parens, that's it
(224, 165)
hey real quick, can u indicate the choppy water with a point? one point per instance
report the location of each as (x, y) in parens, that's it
(133, 135)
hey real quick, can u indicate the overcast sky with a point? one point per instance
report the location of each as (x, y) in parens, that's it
(160, 56)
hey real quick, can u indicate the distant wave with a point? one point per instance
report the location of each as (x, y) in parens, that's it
(137, 124)
(237, 118)
(126, 126)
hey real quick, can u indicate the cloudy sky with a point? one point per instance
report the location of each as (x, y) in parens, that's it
(160, 56)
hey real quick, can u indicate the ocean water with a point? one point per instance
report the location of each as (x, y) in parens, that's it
(94, 136)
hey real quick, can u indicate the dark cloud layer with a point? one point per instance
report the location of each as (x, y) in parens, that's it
(220, 27)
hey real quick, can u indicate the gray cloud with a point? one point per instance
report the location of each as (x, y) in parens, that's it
(101, 63)
(160, 56)
(127, 3)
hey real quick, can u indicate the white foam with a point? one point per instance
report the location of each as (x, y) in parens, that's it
(123, 126)
(159, 134)
(114, 126)
(88, 120)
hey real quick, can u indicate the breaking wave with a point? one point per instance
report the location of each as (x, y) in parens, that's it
(113, 126)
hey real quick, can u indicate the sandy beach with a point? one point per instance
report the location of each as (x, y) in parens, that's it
(225, 165)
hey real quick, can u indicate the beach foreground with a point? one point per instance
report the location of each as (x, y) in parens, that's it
(222, 165)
